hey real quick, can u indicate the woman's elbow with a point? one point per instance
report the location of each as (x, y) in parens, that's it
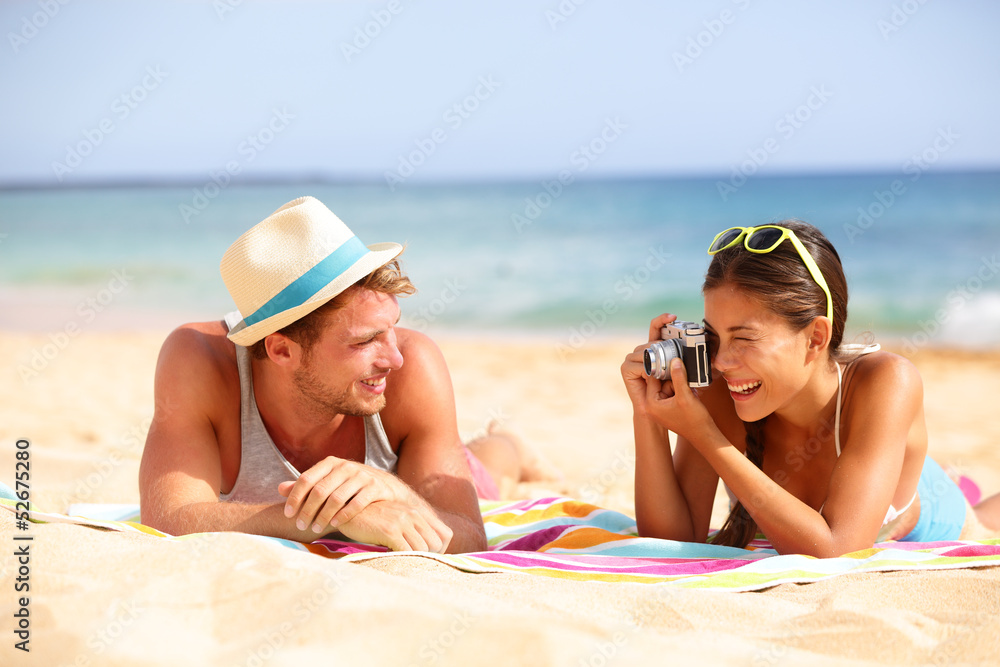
(664, 526)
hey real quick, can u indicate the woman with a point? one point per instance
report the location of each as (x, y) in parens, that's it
(822, 446)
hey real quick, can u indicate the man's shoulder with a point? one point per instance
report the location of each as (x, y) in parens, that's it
(200, 347)
(417, 344)
(423, 360)
(196, 374)
(420, 386)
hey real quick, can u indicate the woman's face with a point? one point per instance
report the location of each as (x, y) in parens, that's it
(757, 353)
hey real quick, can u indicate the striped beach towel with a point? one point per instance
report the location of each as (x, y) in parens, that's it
(568, 539)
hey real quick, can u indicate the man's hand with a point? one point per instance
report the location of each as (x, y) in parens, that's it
(399, 526)
(334, 491)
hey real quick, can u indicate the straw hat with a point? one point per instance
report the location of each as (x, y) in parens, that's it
(291, 264)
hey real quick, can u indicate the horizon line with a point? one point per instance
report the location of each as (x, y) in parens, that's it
(329, 179)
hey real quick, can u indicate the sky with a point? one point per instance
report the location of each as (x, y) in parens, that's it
(400, 91)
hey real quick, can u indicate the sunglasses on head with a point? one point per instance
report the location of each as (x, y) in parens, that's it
(764, 239)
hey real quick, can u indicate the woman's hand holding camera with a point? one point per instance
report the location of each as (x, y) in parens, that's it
(675, 406)
(633, 371)
(671, 404)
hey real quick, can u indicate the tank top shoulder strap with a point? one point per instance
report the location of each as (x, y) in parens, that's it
(859, 350)
(262, 466)
(378, 451)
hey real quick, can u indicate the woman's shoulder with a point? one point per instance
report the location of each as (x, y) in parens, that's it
(882, 371)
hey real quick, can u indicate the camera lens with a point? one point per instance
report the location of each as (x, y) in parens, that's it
(656, 358)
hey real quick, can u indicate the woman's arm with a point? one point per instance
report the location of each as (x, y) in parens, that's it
(882, 423)
(886, 401)
(673, 498)
(661, 509)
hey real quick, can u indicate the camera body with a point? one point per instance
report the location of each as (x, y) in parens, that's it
(686, 341)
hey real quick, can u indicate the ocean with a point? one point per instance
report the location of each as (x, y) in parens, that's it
(574, 260)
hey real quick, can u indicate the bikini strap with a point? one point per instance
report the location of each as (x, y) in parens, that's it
(860, 350)
(836, 419)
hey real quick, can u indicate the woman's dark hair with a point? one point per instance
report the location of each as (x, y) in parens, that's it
(781, 282)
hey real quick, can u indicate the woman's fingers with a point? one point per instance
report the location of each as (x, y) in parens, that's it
(657, 324)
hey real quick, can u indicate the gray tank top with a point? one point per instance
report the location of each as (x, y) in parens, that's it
(262, 466)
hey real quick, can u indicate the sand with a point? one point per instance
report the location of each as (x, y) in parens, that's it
(104, 598)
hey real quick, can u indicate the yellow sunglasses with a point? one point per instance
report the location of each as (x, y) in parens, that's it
(764, 239)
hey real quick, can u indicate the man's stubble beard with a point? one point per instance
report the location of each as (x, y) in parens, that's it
(319, 398)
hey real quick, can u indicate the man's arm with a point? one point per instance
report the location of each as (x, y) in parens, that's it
(431, 503)
(364, 504)
(420, 413)
(181, 472)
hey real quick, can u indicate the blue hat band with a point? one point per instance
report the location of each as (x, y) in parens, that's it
(312, 281)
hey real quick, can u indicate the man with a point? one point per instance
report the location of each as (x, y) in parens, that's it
(311, 378)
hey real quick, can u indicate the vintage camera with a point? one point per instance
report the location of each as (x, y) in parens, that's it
(685, 340)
